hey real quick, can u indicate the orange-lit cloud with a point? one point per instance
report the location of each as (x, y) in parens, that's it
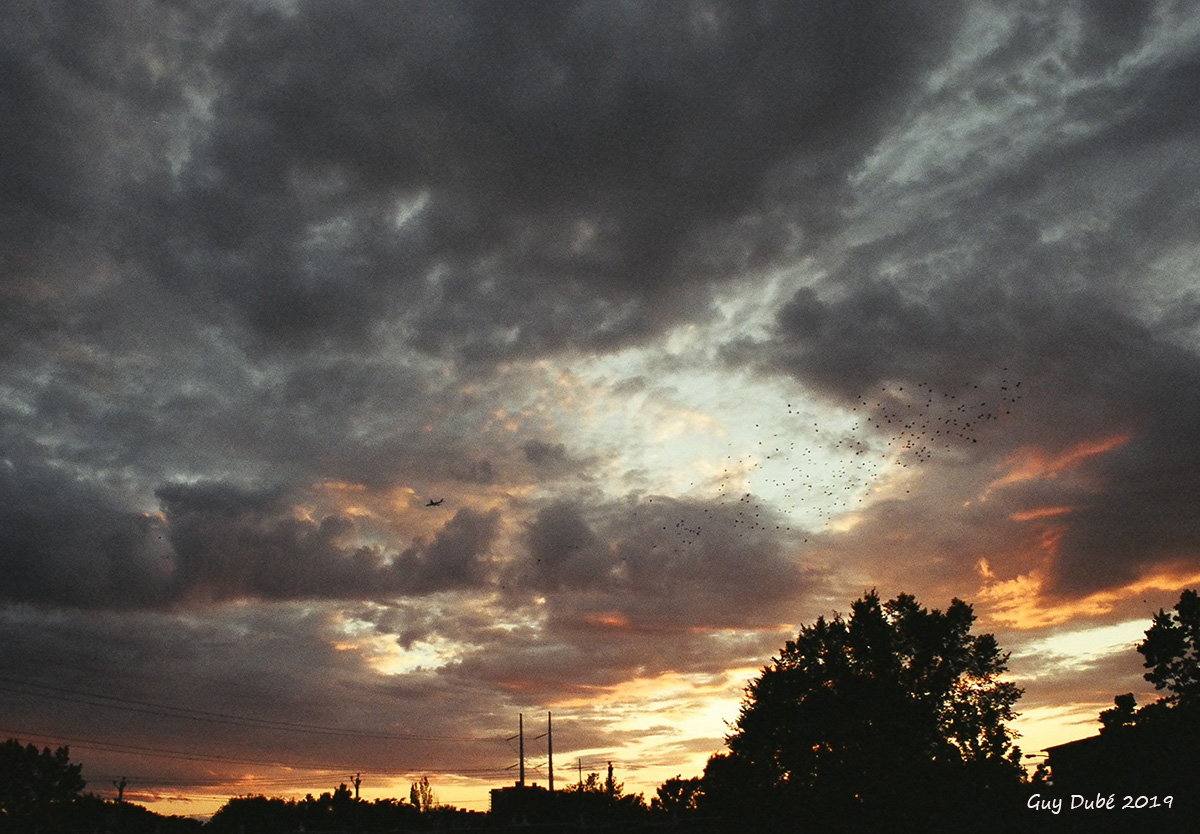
(1019, 602)
(1035, 464)
(505, 420)
(608, 619)
(343, 486)
(1040, 512)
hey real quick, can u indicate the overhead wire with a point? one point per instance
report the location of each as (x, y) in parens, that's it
(41, 690)
(102, 700)
(184, 755)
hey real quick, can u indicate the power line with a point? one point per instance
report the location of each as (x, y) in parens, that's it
(184, 755)
(316, 772)
(168, 711)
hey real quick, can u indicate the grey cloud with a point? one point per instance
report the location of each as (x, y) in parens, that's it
(566, 185)
(1037, 257)
(603, 594)
(479, 471)
(164, 408)
(549, 462)
(68, 543)
(563, 550)
(458, 556)
(564, 663)
(38, 166)
(1089, 373)
(1144, 518)
(541, 453)
(523, 651)
(232, 545)
(664, 564)
(274, 663)
(1111, 30)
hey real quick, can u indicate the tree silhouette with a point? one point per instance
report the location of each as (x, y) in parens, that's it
(592, 783)
(677, 797)
(36, 787)
(1172, 651)
(599, 801)
(421, 795)
(1123, 714)
(1154, 749)
(251, 814)
(895, 710)
(331, 811)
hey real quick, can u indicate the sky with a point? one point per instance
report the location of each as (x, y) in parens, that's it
(697, 320)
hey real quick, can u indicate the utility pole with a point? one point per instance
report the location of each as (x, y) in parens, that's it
(521, 734)
(580, 763)
(120, 786)
(357, 781)
(550, 748)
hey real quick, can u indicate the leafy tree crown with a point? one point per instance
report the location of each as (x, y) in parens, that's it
(1172, 651)
(894, 685)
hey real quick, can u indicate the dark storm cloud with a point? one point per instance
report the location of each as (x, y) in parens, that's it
(231, 545)
(67, 543)
(1089, 373)
(1035, 258)
(601, 594)
(665, 564)
(581, 662)
(88, 100)
(555, 463)
(170, 683)
(1111, 30)
(37, 193)
(162, 408)
(541, 453)
(1144, 518)
(504, 182)
(476, 184)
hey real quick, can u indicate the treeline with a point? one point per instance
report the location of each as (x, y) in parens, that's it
(336, 811)
(41, 792)
(893, 718)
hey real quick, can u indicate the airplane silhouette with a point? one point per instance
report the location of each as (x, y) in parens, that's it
(436, 503)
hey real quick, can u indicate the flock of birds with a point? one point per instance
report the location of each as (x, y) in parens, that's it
(813, 477)
(806, 478)
(929, 419)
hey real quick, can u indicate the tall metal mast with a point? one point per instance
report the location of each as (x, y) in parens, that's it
(550, 749)
(521, 733)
